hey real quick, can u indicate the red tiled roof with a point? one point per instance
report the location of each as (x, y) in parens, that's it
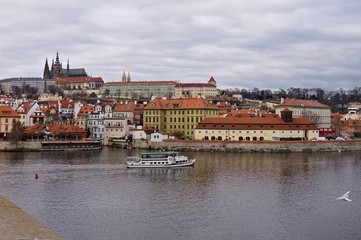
(353, 123)
(140, 82)
(86, 110)
(301, 103)
(258, 123)
(124, 107)
(180, 104)
(78, 79)
(55, 129)
(250, 113)
(188, 85)
(6, 111)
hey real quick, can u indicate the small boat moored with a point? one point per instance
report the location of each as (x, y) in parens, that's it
(159, 159)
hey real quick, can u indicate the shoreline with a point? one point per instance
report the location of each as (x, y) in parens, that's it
(206, 145)
(259, 147)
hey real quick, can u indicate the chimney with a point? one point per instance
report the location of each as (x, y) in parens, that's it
(286, 115)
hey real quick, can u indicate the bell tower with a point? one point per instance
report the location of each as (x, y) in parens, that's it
(56, 66)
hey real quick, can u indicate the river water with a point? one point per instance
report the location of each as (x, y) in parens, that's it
(92, 195)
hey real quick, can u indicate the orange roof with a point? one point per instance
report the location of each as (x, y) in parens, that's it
(6, 111)
(124, 107)
(194, 85)
(250, 123)
(141, 82)
(301, 103)
(78, 79)
(55, 128)
(180, 104)
(86, 110)
(353, 123)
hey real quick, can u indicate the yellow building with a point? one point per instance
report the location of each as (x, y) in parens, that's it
(268, 127)
(178, 116)
(7, 117)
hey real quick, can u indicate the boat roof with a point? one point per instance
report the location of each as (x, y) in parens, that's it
(158, 153)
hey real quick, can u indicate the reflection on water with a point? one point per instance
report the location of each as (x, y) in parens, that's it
(92, 195)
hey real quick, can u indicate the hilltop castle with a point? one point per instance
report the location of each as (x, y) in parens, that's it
(57, 70)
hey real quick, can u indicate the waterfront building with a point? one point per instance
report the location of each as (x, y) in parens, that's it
(56, 131)
(95, 125)
(194, 90)
(178, 116)
(312, 110)
(138, 89)
(7, 117)
(268, 127)
(115, 128)
(143, 132)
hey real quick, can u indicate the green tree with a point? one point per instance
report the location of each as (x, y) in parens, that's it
(17, 133)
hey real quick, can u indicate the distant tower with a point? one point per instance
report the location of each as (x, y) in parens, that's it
(46, 76)
(128, 77)
(124, 77)
(67, 68)
(212, 82)
(56, 67)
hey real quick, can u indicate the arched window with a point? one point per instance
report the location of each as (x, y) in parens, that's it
(254, 139)
(206, 138)
(240, 139)
(213, 138)
(219, 138)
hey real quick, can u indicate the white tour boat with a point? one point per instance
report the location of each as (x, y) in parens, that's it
(159, 159)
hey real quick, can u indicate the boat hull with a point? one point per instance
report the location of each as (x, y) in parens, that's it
(136, 165)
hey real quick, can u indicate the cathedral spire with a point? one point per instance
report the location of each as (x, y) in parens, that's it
(46, 76)
(46, 73)
(124, 77)
(128, 77)
(67, 68)
(57, 58)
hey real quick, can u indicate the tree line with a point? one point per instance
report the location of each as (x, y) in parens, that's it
(336, 99)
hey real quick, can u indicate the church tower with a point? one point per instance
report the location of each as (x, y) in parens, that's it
(46, 74)
(56, 67)
(124, 77)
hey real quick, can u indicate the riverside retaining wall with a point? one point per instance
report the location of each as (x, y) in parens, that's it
(230, 146)
(17, 224)
(20, 146)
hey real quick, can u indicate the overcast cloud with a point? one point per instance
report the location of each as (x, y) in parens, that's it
(244, 44)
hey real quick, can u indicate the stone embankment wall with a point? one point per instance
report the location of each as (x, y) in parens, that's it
(20, 146)
(294, 146)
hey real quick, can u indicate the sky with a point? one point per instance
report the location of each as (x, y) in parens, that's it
(242, 44)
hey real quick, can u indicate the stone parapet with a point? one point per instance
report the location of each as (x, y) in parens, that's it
(17, 224)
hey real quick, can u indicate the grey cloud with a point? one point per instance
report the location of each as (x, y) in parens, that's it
(263, 44)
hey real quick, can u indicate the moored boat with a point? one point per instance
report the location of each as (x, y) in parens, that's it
(159, 159)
